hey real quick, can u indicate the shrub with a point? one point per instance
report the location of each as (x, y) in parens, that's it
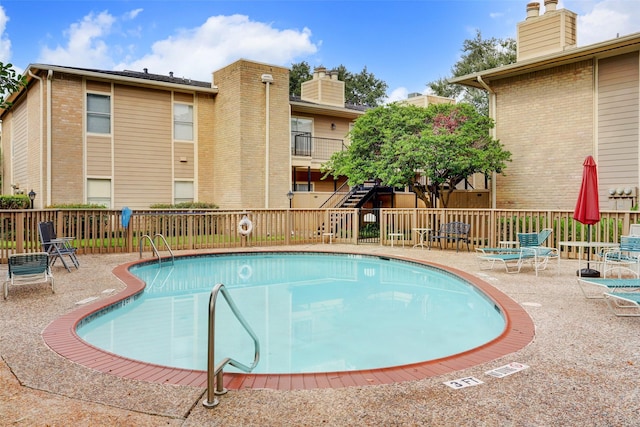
(185, 205)
(16, 201)
(77, 206)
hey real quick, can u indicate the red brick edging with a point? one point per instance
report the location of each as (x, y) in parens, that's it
(60, 335)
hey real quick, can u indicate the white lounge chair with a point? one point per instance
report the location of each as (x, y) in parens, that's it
(27, 269)
(624, 304)
(514, 259)
(618, 278)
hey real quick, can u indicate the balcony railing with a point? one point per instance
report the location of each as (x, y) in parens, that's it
(305, 145)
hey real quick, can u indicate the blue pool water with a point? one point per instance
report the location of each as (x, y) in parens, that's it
(312, 313)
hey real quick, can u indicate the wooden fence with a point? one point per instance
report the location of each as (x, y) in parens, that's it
(102, 231)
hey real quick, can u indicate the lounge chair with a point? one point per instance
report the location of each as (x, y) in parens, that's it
(624, 304)
(534, 239)
(627, 254)
(513, 260)
(616, 279)
(26, 269)
(57, 247)
(525, 240)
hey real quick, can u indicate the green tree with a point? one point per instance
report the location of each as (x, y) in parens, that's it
(397, 144)
(10, 82)
(300, 72)
(362, 88)
(478, 55)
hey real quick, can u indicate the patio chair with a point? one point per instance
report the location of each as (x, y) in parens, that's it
(26, 269)
(634, 230)
(525, 240)
(534, 239)
(452, 231)
(618, 278)
(628, 253)
(513, 261)
(624, 304)
(57, 247)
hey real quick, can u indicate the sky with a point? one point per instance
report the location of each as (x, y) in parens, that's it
(405, 43)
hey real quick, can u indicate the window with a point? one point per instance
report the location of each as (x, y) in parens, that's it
(183, 192)
(98, 113)
(183, 122)
(303, 187)
(99, 192)
(301, 131)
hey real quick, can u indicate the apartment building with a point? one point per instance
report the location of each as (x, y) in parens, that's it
(560, 103)
(134, 138)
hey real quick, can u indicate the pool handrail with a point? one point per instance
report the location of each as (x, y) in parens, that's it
(215, 382)
(154, 248)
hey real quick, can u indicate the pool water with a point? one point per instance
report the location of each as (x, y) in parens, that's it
(311, 312)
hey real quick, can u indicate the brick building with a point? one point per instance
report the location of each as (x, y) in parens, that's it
(560, 103)
(135, 139)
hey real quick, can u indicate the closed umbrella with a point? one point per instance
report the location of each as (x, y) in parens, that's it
(587, 209)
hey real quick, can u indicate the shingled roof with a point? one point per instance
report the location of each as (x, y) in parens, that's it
(145, 75)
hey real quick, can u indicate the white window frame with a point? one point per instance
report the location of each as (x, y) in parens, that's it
(302, 187)
(98, 114)
(182, 122)
(183, 191)
(100, 192)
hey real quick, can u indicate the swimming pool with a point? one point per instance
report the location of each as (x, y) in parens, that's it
(61, 337)
(312, 313)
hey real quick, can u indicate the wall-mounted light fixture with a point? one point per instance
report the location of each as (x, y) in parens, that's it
(333, 126)
(32, 197)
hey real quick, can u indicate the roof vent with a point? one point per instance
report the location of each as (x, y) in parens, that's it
(171, 74)
(146, 70)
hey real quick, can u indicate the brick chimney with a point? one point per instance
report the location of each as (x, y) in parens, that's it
(552, 32)
(323, 88)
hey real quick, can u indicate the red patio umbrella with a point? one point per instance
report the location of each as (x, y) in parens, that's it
(587, 209)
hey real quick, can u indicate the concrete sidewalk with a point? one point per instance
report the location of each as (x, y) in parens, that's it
(583, 366)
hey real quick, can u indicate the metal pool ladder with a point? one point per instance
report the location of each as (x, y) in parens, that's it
(215, 383)
(154, 248)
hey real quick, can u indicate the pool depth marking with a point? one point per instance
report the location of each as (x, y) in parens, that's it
(61, 337)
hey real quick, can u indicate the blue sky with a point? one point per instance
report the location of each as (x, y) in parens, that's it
(405, 43)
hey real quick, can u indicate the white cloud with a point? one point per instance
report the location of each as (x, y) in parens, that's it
(604, 20)
(197, 52)
(86, 46)
(5, 42)
(397, 95)
(133, 13)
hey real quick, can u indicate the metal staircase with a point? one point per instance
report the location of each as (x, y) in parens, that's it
(354, 198)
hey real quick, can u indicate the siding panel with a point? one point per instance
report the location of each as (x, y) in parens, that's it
(618, 108)
(142, 145)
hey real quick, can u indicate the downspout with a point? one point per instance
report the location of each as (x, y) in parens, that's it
(267, 81)
(49, 133)
(492, 115)
(41, 138)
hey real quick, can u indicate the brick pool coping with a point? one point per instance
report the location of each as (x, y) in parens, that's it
(60, 335)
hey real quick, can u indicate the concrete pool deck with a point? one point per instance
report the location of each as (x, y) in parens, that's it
(583, 366)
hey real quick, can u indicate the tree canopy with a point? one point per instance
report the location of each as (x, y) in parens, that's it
(396, 144)
(362, 88)
(10, 81)
(478, 55)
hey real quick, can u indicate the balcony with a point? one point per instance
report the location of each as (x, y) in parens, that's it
(315, 148)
